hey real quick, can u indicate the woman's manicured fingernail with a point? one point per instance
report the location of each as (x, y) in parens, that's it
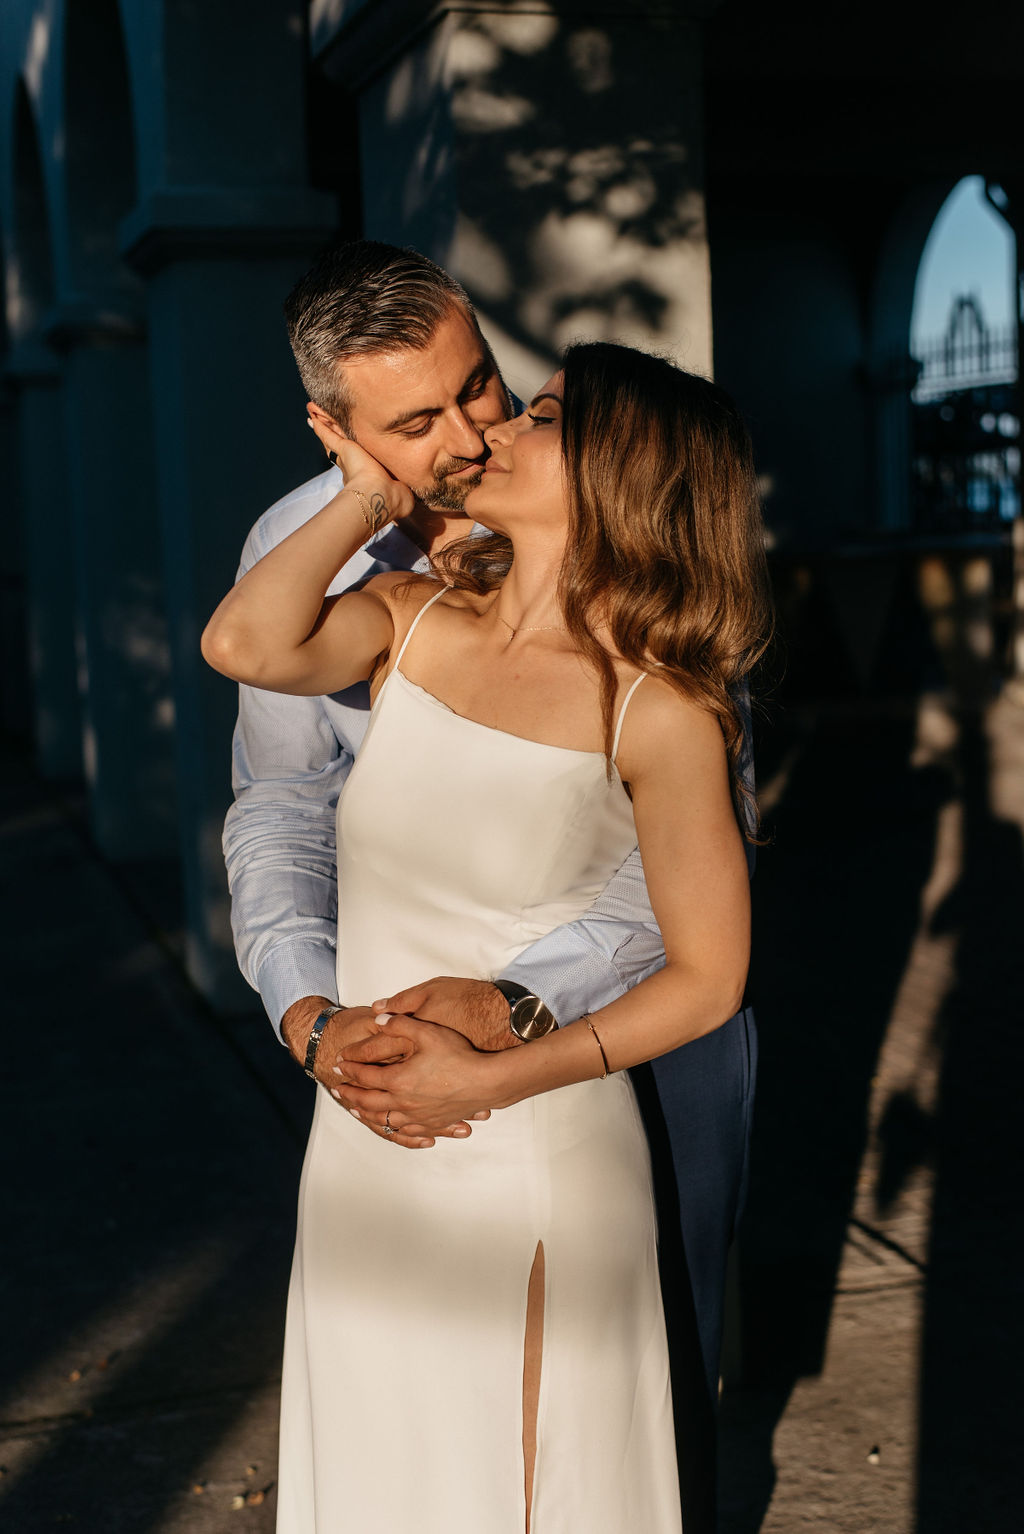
(338, 1071)
(422, 1144)
(335, 1093)
(462, 1131)
(482, 1115)
(356, 1114)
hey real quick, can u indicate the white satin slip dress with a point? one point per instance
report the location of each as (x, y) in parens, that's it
(458, 846)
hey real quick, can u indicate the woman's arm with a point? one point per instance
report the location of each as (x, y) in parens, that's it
(674, 759)
(275, 630)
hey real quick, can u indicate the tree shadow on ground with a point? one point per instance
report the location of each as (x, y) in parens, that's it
(972, 1354)
(837, 903)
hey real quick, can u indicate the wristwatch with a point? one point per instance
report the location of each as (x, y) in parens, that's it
(528, 1018)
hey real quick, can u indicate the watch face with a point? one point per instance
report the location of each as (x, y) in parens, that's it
(530, 1018)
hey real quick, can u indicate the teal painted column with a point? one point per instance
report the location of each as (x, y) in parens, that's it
(230, 439)
(34, 375)
(124, 660)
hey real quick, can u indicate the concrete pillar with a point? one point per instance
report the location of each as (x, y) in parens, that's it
(34, 376)
(124, 662)
(777, 261)
(230, 439)
(553, 162)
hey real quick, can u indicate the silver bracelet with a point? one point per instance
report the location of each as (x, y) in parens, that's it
(316, 1034)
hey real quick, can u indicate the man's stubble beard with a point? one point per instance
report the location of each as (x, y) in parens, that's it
(445, 494)
(442, 494)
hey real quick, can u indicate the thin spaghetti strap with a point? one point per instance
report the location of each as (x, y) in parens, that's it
(412, 626)
(622, 714)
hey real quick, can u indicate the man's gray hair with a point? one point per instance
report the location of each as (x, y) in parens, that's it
(359, 299)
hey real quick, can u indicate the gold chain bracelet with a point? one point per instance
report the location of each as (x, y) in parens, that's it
(375, 513)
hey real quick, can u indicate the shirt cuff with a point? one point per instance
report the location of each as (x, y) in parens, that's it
(575, 980)
(294, 970)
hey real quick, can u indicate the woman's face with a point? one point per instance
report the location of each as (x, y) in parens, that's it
(523, 483)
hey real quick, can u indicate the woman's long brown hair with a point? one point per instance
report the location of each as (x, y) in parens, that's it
(665, 551)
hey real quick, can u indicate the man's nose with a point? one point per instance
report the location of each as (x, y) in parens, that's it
(463, 438)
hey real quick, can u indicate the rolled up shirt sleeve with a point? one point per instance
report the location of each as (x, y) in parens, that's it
(288, 767)
(279, 847)
(592, 961)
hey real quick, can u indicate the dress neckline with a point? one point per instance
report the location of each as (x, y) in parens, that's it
(491, 729)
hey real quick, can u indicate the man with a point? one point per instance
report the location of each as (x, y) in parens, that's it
(391, 355)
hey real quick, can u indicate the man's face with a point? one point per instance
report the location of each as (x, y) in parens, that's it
(422, 413)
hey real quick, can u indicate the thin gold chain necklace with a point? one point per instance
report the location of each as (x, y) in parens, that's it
(527, 628)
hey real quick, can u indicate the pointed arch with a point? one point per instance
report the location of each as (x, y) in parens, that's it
(892, 370)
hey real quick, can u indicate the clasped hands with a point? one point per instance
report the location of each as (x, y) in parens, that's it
(421, 1065)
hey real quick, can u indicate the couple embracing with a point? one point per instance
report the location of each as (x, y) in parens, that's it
(487, 857)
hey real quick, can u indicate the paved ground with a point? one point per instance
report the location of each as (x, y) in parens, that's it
(152, 1153)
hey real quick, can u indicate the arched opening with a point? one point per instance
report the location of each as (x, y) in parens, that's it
(965, 430)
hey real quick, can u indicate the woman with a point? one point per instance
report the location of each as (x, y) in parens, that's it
(475, 1337)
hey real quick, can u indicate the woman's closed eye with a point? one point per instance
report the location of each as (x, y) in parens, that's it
(541, 420)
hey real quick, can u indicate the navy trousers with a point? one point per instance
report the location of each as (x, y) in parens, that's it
(697, 1105)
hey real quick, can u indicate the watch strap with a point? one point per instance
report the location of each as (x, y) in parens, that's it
(512, 991)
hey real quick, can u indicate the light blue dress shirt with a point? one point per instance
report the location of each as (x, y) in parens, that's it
(290, 759)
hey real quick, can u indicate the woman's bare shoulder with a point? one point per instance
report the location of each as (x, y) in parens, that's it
(662, 720)
(407, 593)
(400, 588)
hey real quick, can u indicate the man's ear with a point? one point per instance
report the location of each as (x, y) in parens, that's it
(316, 414)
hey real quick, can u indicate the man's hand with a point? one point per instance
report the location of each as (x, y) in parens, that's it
(349, 1028)
(474, 1008)
(441, 1077)
(297, 1024)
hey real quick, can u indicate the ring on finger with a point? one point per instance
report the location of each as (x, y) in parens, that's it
(387, 1123)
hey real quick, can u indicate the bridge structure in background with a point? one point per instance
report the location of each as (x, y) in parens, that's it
(965, 459)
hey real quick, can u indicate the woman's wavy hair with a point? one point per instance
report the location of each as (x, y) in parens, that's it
(665, 551)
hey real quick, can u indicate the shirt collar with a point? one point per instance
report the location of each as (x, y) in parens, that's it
(393, 547)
